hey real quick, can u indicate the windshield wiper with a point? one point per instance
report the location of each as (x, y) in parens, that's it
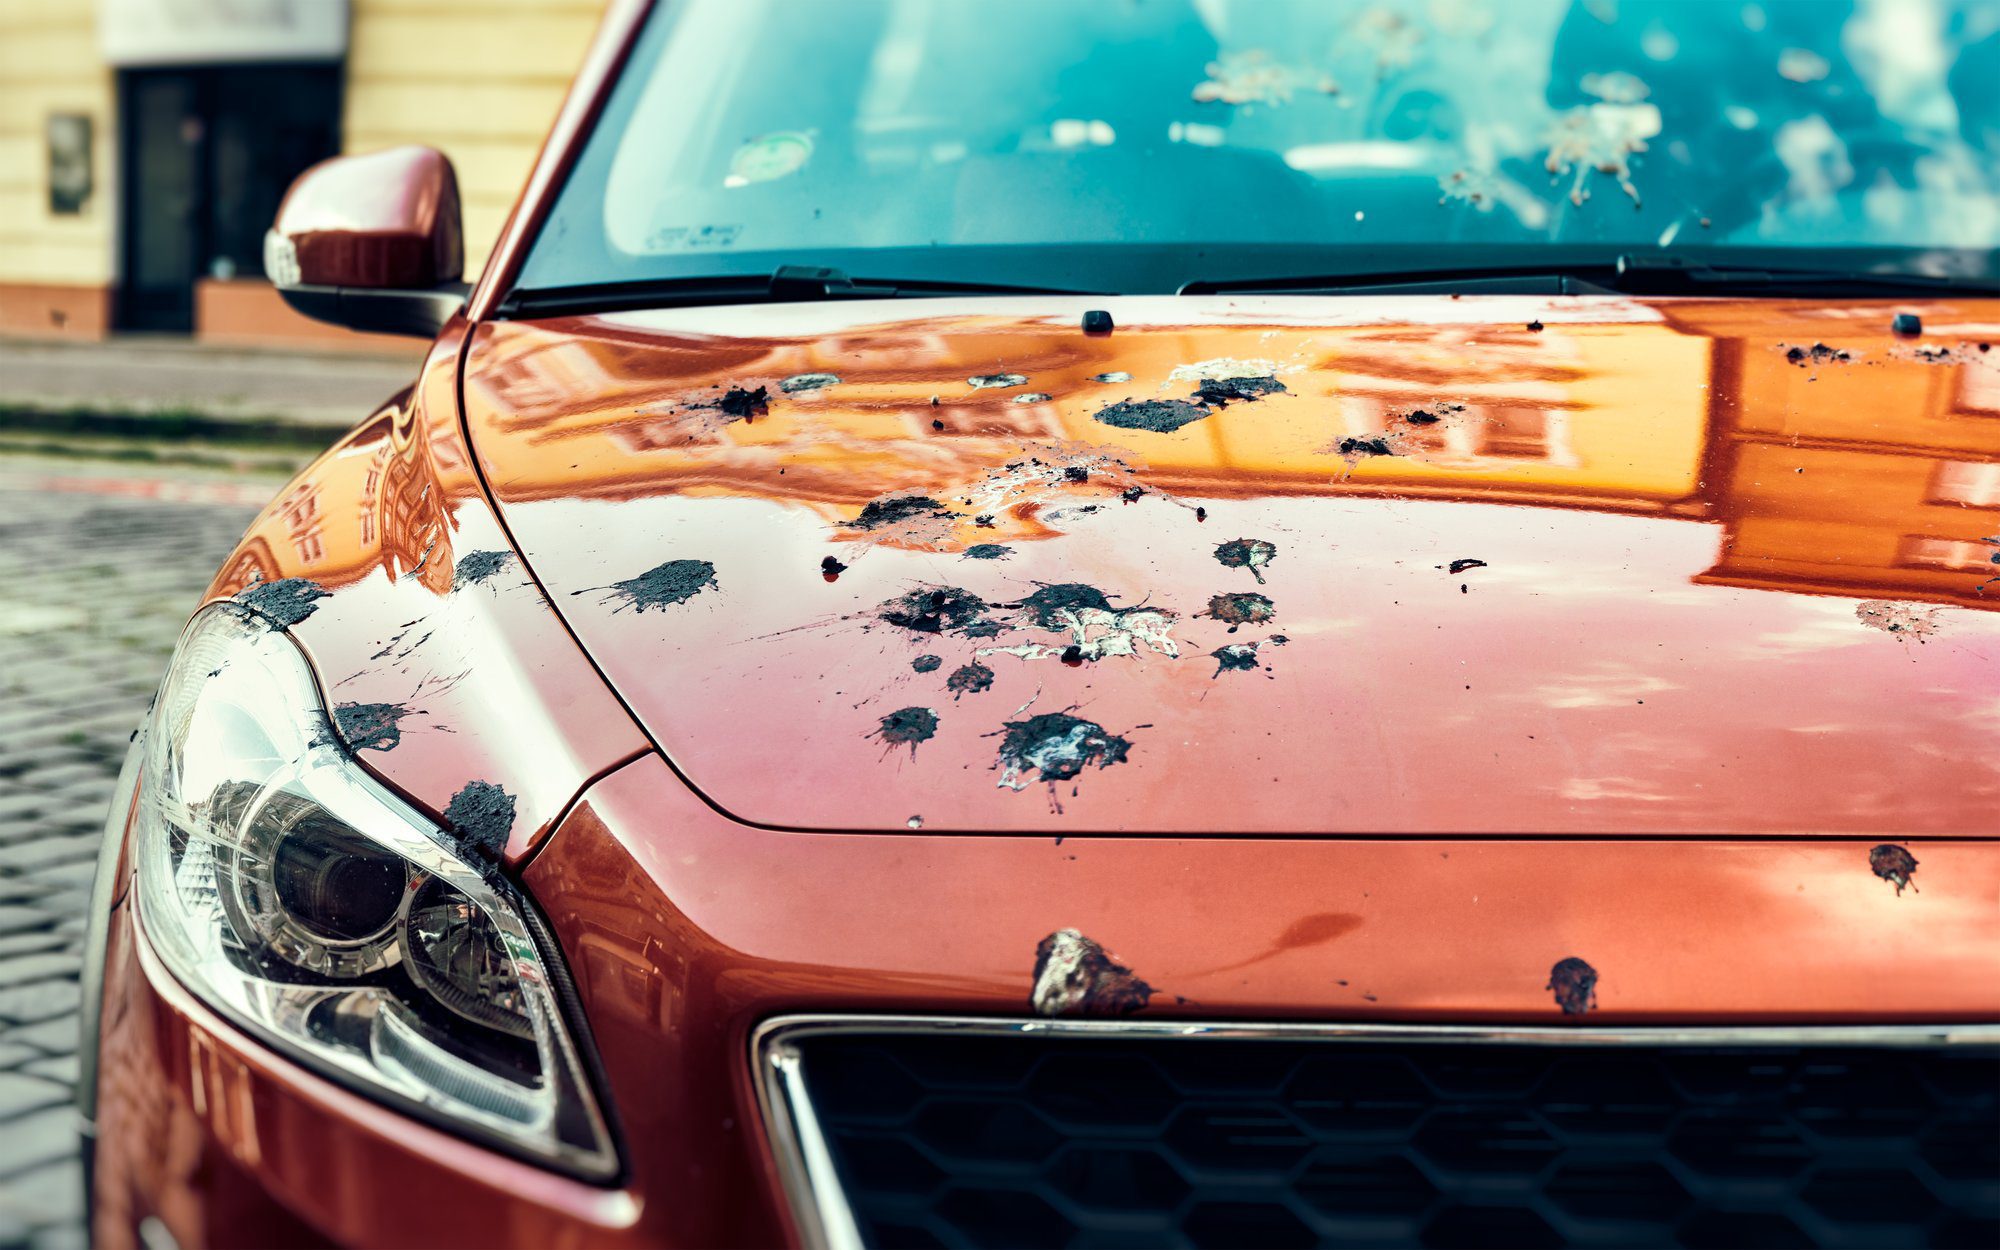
(1629, 274)
(787, 284)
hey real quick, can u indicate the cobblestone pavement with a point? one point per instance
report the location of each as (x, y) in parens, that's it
(97, 575)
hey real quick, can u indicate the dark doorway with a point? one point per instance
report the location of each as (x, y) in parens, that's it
(208, 153)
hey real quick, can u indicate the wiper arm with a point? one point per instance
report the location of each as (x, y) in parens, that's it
(1630, 274)
(787, 284)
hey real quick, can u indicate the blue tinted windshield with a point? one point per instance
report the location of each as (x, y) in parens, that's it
(969, 138)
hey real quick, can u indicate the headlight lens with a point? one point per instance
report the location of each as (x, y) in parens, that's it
(297, 896)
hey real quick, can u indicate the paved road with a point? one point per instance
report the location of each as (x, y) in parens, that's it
(141, 375)
(97, 574)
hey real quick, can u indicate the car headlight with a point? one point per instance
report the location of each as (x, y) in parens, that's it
(301, 899)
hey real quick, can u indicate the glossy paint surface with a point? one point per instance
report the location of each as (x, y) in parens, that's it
(1655, 566)
(684, 929)
(430, 611)
(380, 220)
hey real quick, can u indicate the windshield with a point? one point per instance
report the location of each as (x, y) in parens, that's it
(1138, 145)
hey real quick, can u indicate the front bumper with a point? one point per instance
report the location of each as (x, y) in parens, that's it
(686, 931)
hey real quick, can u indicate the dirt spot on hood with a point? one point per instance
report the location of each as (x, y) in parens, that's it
(1894, 864)
(482, 815)
(1236, 657)
(1160, 416)
(938, 609)
(808, 382)
(996, 381)
(744, 405)
(1219, 392)
(478, 567)
(1817, 354)
(1246, 553)
(907, 726)
(1574, 983)
(1057, 746)
(1241, 608)
(286, 601)
(988, 551)
(1075, 977)
(1905, 620)
(967, 679)
(907, 519)
(927, 663)
(661, 586)
(1093, 629)
(370, 726)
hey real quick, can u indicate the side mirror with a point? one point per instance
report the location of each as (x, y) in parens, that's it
(372, 242)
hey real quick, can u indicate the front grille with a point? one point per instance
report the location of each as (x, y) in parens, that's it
(967, 1140)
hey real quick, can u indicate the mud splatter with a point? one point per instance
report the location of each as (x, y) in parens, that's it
(286, 601)
(988, 551)
(370, 726)
(906, 519)
(896, 509)
(1460, 566)
(1160, 416)
(1235, 657)
(969, 679)
(1905, 620)
(907, 726)
(1246, 553)
(1240, 609)
(1574, 984)
(1817, 354)
(1360, 447)
(995, 381)
(662, 586)
(936, 609)
(1116, 375)
(1032, 397)
(482, 815)
(1095, 630)
(1074, 976)
(1894, 864)
(927, 663)
(1219, 392)
(1600, 138)
(808, 382)
(475, 568)
(744, 405)
(1056, 745)
(831, 568)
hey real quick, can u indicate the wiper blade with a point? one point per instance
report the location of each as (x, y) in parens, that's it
(787, 284)
(1629, 274)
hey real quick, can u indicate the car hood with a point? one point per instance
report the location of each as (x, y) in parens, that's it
(1277, 565)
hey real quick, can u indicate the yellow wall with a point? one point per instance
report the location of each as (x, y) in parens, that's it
(480, 79)
(49, 63)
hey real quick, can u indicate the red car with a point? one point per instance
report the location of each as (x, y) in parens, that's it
(1169, 623)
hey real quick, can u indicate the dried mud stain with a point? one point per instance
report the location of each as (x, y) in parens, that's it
(908, 726)
(661, 586)
(1057, 746)
(1158, 416)
(482, 815)
(286, 601)
(1894, 864)
(969, 679)
(937, 610)
(1246, 553)
(1241, 608)
(370, 726)
(1574, 983)
(475, 568)
(1074, 976)
(1905, 620)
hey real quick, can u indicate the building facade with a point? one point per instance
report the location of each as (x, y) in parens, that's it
(145, 144)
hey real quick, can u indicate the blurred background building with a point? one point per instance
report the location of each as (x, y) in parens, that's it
(145, 144)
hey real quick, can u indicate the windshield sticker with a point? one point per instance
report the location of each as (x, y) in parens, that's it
(769, 157)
